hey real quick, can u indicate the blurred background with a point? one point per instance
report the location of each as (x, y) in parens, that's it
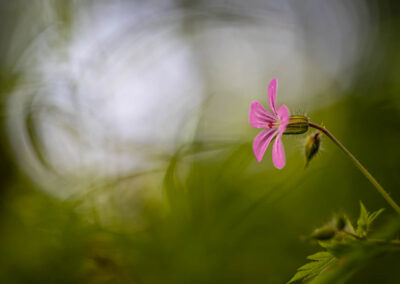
(126, 150)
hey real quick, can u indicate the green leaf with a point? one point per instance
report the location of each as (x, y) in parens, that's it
(343, 257)
(374, 215)
(349, 227)
(351, 260)
(365, 220)
(321, 261)
(322, 255)
(362, 222)
(299, 275)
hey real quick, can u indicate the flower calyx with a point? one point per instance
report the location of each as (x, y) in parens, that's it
(297, 124)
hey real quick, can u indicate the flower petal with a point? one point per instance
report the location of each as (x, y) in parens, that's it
(261, 142)
(272, 88)
(259, 117)
(284, 116)
(283, 113)
(278, 152)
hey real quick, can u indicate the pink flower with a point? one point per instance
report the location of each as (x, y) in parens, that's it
(273, 124)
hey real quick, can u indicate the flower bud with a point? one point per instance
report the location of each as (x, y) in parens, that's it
(323, 233)
(312, 146)
(340, 222)
(297, 124)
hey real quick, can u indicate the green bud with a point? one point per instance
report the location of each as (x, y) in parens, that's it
(312, 146)
(340, 222)
(323, 233)
(297, 124)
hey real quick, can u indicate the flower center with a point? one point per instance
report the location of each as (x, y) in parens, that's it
(297, 124)
(270, 124)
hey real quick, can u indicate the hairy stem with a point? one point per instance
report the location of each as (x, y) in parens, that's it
(383, 242)
(395, 243)
(366, 173)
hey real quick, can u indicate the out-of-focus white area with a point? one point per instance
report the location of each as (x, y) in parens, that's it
(126, 83)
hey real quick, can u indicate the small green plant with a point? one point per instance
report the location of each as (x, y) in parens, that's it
(346, 248)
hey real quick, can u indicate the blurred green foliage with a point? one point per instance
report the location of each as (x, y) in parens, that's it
(347, 249)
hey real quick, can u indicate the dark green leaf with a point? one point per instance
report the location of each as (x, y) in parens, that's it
(321, 261)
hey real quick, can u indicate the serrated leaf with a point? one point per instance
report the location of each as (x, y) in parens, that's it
(363, 214)
(365, 220)
(344, 256)
(319, 255)
(374, 215)
(349, 227)
(299, 275)
(321, 261)
(337, 249)
(312, 265)
(356, 256)
(362, 222)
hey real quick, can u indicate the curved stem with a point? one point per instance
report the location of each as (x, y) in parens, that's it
(366, 173)
(375, 241)
(380, 241)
